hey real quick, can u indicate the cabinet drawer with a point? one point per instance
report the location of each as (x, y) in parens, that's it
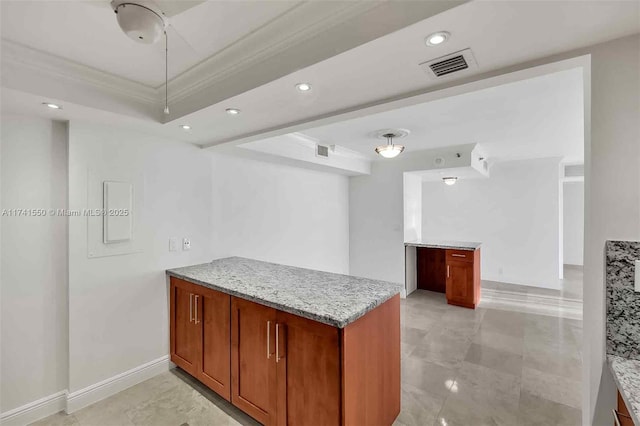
(460, 255)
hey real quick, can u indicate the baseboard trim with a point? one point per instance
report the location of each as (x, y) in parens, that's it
(104, 389)
(535, 304)
(35, 410)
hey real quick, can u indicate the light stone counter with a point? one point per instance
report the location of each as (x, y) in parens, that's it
(332, 299)
(444, 244)
(626, 373)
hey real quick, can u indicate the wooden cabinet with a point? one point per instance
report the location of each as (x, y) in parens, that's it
(463, 278)
(214, 369)
(453, 272)
(253, 363)
(283, 369)
(184, 332)
(308, 369)
(622, 417)
(200, 334)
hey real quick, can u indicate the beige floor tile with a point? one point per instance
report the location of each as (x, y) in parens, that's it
(491, 337)
(418, 407)
(60, 419)
(473, 378)
(496, 359)
(537, 411)
(552, 387)
(478, 408)
(429, 377)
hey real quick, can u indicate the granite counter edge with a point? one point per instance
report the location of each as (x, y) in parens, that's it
(440, 246)
(623, 387)
(334, 322)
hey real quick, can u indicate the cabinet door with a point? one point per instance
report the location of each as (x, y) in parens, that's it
(253, 365)
(308, 365)
(460, 283)
(183, 329)
(214, 317)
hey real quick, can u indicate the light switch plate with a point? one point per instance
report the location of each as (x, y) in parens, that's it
(173, 244)
(186, 244)
(637, 276)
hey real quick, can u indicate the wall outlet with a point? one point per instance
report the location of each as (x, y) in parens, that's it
(186, 244)
(636, 284)
(173, 244)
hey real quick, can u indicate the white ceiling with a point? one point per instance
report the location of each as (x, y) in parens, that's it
(499, 33)
(87, 32)
(534, 118)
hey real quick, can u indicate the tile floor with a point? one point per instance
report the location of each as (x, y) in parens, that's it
(459, 367)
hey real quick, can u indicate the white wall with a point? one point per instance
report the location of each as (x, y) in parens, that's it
(34, 261)
(612, 194)
(118, 315)
(573, 220)
(514, 214)
(412, 199)
(280, 214)
(376, 228)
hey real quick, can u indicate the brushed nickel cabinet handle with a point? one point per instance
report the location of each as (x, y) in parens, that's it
(196, 313)
(268, 339)
(190, 307)
(277, 343)
(458, 255)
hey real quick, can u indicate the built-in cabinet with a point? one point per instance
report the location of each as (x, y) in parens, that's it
(283, 369)
(621, 416)
(453, 272)
(199, 323)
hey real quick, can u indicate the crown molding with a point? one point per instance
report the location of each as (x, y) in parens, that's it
(26, 57)
(295, 26)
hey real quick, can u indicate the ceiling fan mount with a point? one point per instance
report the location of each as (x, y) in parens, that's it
(141, 21)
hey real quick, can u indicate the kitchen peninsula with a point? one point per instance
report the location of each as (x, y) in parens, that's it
(287, 345)
(450, 267)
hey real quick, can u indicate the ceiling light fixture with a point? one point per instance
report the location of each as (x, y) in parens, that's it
(185, 127)
(232, 111)
(303, 87)
(52, 106)
(390, 150)
(437, 38)
(451, 180)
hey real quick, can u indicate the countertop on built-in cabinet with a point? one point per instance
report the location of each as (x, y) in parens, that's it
(332, 299)
(444, 244)
(626, 373)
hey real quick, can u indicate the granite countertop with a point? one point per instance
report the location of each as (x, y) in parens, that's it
(458, 245)
(626, 373)
(332, 299)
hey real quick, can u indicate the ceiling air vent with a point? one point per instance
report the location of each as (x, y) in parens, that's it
(322, 151)
(456, 63)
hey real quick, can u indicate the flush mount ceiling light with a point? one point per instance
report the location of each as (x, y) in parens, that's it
(185, 127)
(451, 180)
(390, 150)
(303, 87)
(437, 38)
(52, 106)
(232, 111)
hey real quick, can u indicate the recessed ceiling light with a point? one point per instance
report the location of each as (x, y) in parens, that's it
(233, 111)
(185, 127)
(52, 106)
(450, 180)
(437, 38)
(303, 87)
